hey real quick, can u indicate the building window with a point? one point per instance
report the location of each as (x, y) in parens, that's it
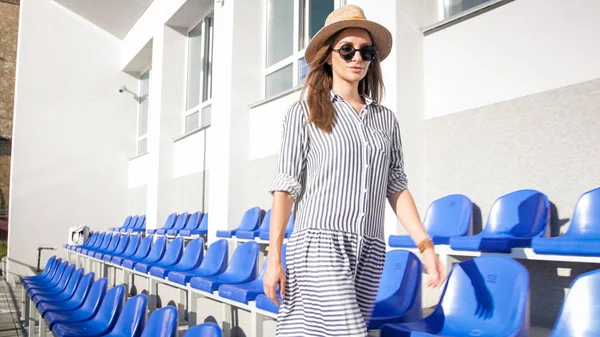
(452, 8)
(143, 112)
(290, 25)
(199, 75)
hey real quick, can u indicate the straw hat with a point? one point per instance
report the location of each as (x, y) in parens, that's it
(347, 17)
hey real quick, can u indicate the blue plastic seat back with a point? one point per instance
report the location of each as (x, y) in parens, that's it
(114, 242)
(65, 277)
(203, 223)
(101, 238)
(173, 251)
(123, 244)
(193, 253)
(193, 221)
(399, 286)
(59, 273)
(132, 221)
(449, 216)
(95, 296)
(170, 222)
(50, 264)
(162, 323)
(83, 287)
(208, 329)
(158, 249)
(487, 295)
(144, 248)
(108, 239)
(91, 241)
(523, 213)
(181, 221)
(111, 306)
(251, 219)
(141, 223)
(126, 222)
(216, 257)
(586, 217)
(580, 312)
(132, 246)
(244, 259)
(132, 318)
(73, 280)
(265, 225)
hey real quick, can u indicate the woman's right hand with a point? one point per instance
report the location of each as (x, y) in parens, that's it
(274, 276)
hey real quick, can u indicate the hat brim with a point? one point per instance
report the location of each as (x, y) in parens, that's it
(382, 38)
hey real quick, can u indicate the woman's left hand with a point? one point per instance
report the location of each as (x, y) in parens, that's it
(434, 268)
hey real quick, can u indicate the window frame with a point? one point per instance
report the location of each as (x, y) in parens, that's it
(298, 52)
(208, 43)
(140, 138)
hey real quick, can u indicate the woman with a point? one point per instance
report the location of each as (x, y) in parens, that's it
(341, 157)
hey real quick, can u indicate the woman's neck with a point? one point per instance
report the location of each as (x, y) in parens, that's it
(348, 91)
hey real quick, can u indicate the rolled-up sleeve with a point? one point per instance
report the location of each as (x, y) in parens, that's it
(397, 180)
(291, 168)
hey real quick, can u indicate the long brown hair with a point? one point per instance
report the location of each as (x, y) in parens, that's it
(319, 82)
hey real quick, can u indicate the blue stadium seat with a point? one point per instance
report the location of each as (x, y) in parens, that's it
(120, 248)
(171, 257)
(514, 220)
(134, 221)
(132, 244)
(131, 319)
(162, 323)
(201, 230)
(169, 223)
(101, 323)
(252, 234)
(139, 227)
(191, 259)
(208, 329)
(156, 253)
(86, 311)
(289, 229)
(97, 244)
(213, 263)
(90, 241)
(48, 271)
(192, 223)
(141, 252)
(124, 225)
(248, 291)
(49, 283)
(580, 312)
(52, 303)
(250, 221)
(114, 242)
(484, 296)
(264, 303)
(179, 224)
(242, 268)
(108, 239)
(583, 235)
(399, 296)
(446, 217)
(58, 292)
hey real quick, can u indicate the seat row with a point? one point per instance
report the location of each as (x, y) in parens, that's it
(517, 219)
(487, 295)
(72, 303)
(255, 224)
(183, 224)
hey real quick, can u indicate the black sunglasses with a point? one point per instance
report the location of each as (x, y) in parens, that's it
(347, 51)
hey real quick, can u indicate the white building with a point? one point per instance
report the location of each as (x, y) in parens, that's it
(491, 98)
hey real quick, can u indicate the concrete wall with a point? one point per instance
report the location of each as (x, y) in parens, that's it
(72, 132)
(511, 101)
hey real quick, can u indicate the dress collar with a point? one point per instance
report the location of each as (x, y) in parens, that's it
(334, 97)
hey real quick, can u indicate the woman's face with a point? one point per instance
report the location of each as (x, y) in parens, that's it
(355, 69)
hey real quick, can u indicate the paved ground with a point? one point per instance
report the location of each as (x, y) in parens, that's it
(10, 303)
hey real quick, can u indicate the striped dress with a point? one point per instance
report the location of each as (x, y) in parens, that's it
(339, 182)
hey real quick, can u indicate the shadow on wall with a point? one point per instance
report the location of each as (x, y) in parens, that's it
(555, 222)
(477, 219)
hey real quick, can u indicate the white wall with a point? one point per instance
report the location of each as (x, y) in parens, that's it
(521, 48)
(72, 132)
